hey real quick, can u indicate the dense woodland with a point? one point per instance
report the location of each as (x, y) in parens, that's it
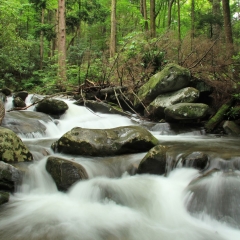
(48, 46)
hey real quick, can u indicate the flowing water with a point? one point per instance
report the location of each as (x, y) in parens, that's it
(115, 205)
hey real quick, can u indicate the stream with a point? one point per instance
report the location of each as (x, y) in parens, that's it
(115, 205)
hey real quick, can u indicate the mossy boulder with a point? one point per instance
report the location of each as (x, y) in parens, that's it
(104, 142)
(155, 161)
(171, 78)
(12, 148)
(185, 95)
(185, 111)
(52, 106)
(4, 197)
(22, 94)
(18, 102)
(65, 172)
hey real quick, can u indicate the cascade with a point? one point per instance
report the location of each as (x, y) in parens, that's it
(114, 205)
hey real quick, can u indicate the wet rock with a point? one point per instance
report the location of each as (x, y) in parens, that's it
(6, 91)
(23, 95)
(10, 177)
(197, 160)
(231, 128)
(26, 122)
(154, 162)
(12, 148)
(3, 97)
(185, 95)
(52, 106)
(4, 197)
(185, 111)
(18, 102)
(104, 142)
(65, 172)
(171, 78)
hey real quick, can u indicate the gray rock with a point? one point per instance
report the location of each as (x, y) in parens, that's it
(10, 177)
(171, 78)
(231, 128)
(104, 142)
(185, 95)
(64, 172)
(23, 95)
(18, 102)
(12, 148)
(184, 111)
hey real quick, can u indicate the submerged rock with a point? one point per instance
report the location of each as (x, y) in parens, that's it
(103, 142)
(154, 162)
(171, 78)
(12, 148)
(65, 172)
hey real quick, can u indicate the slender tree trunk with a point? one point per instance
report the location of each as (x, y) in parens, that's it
(179, 30)
(113, 40)
(152, 19)
(143, 7)
(42, 39)
(192, 21)
(216, 10)
(170, 4)
(227, 26)
(62, 43)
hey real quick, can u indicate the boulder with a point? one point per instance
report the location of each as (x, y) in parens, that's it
(26, 122)
(185, 95)
(52, 106)
(12, 148)
(65, 172)
(6, 91)
(3, 97)
(154, 162)
(18, 102)
(23, 95)
(10, 177)
(4, 197)
(231, 128)
(2, 111)
(104, 142)
(171, 78)
(185, 111)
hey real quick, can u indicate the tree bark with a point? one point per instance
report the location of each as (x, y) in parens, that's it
(216, 10)
(62, 43)
(152, 19)
(143, 7)
(227, 26)
(41, 39)
(170, 4)
(113, 40)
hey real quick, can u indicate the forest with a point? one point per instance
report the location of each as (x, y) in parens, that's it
(49, 46)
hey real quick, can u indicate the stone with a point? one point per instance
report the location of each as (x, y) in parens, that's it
(231, 128)
(65, 172)
(104, 142)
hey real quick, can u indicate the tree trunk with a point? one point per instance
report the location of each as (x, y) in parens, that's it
(216, 10)
(192, 21)
(41, 40)
(143, 7)
(62, 43)
(113, 40)
(152, 19)
(170, 4)
(227, 27)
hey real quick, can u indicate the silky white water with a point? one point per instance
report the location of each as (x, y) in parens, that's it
(111, 204)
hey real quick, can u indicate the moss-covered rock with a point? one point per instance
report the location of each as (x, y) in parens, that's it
(184, 111)
(12, 148)
(4, 197)
(22, 94)
(171, 78)
(103, 142)
(18, 102)
(2, 111)
(64, 172)
(154, 162)
(156, 108)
